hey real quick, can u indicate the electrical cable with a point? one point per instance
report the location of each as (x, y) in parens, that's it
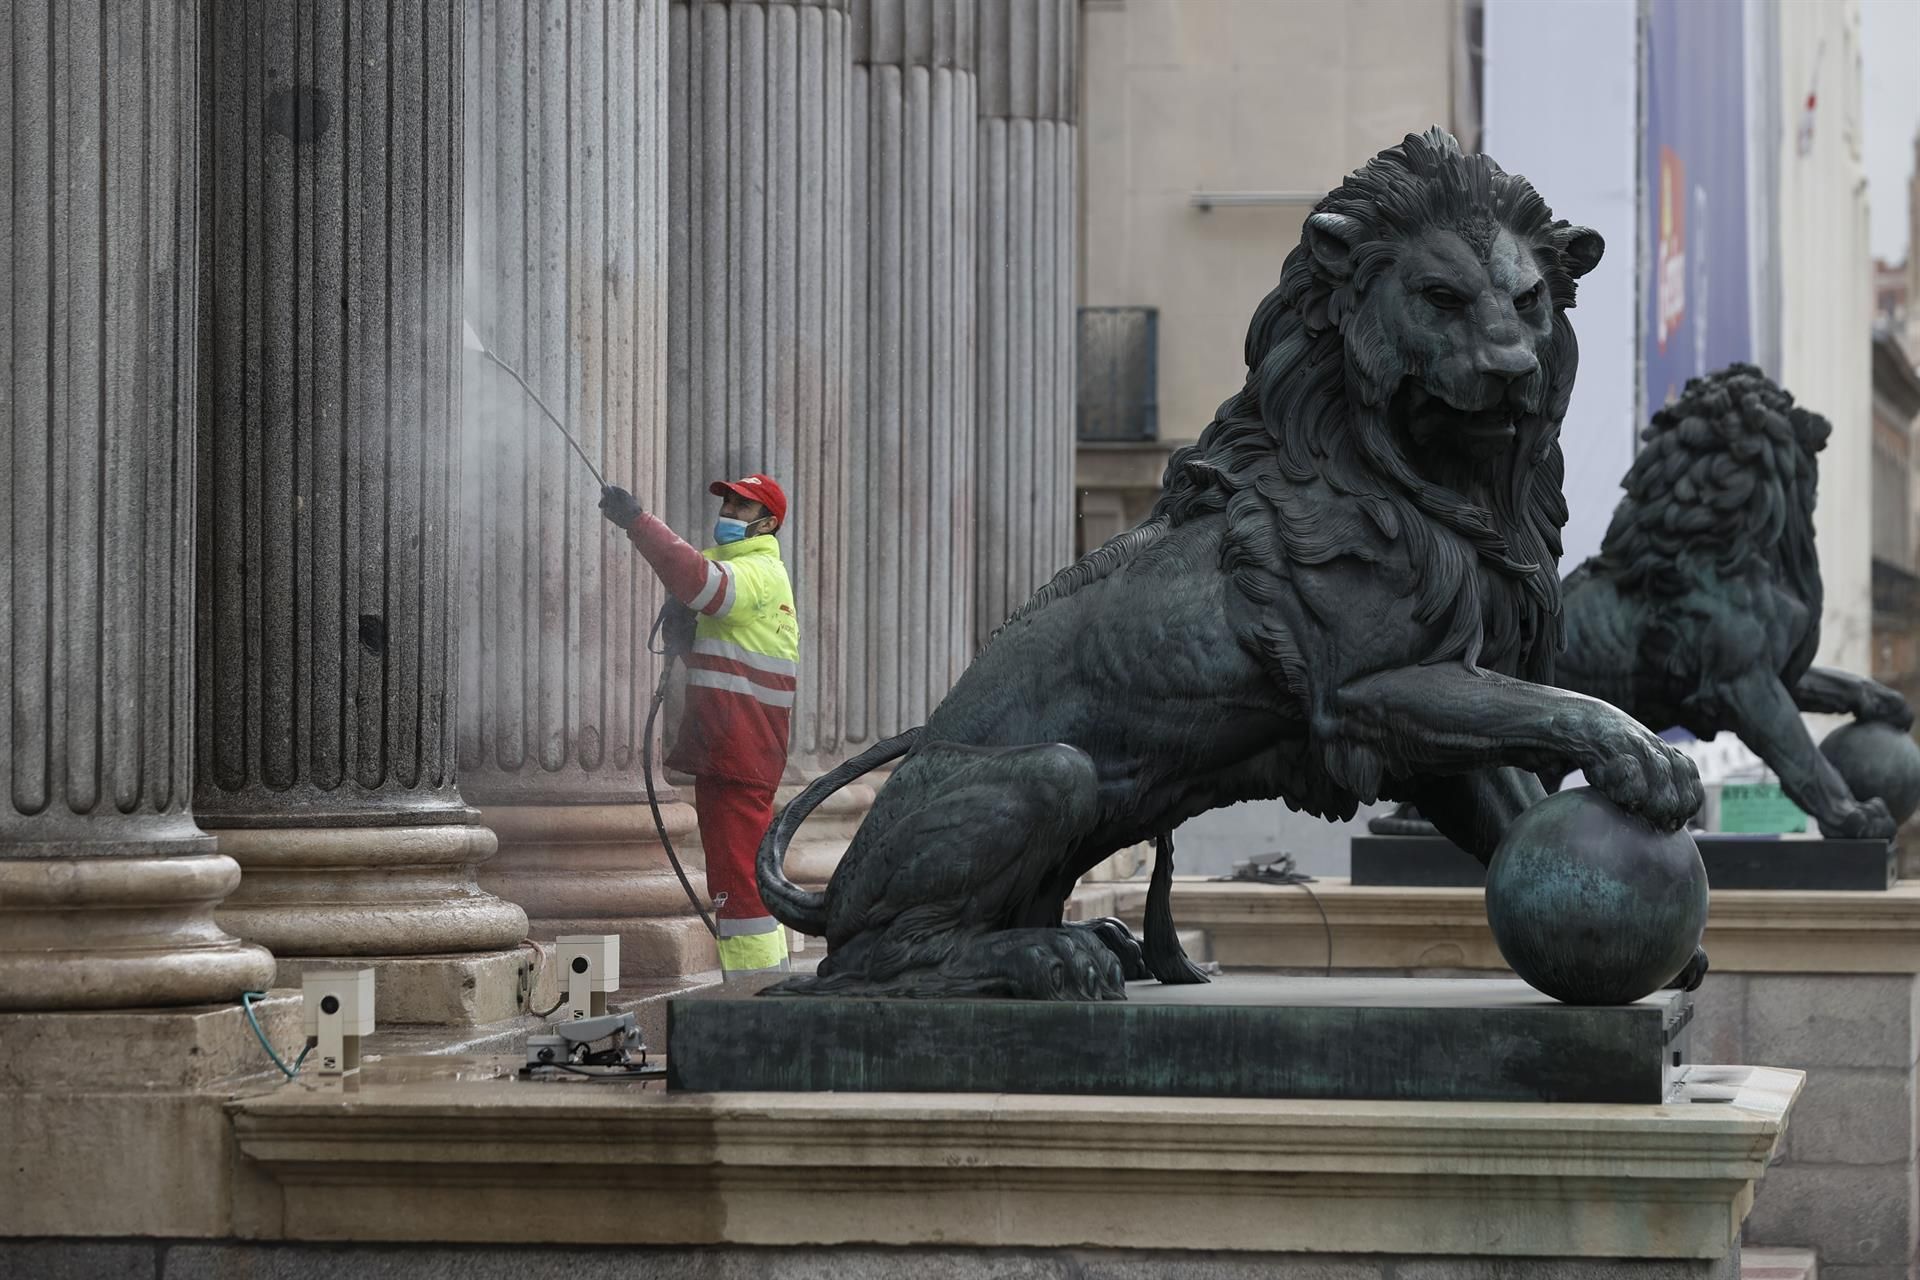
(1279, 869)
(246, 1002)
(540, 959)
(642, 1072)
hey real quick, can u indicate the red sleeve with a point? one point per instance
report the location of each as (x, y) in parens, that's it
(693, 579)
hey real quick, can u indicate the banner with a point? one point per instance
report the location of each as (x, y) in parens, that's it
(1697, 316)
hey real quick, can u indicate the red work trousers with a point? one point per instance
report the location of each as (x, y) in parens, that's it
(733, 818)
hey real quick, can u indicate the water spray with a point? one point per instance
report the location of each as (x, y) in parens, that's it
(473, 343)
(670, 625)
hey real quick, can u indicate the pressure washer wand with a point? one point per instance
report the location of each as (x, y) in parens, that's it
(473, 343)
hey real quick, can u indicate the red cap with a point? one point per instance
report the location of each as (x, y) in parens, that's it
(760, 489)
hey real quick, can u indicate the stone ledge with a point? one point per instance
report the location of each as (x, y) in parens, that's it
(464, 990)
(113, 1122)
(1388, 927)
(459, 1150)
(98, 1050)
(1779, 1264)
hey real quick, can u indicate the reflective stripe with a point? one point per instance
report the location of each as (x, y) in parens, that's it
(751, 925)
(725, 606)
(741, 654)
(739, 684)
(716, 577)
(753, 952)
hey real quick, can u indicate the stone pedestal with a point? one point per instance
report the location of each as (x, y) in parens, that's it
(566, 200)
(93, 1103)
(1025, 204)
(1827, 983)
(107, 885)
(911, 427)
(328, 517)
(1239, 1036)
(1093, 1186)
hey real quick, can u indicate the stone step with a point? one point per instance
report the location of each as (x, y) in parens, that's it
(1779, 1264)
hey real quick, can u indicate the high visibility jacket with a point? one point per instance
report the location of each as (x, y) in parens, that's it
(745, 663)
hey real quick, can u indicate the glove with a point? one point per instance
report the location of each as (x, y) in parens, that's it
(674, 626)
(620, 506)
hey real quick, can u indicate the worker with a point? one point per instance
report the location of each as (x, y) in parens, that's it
(741, 675)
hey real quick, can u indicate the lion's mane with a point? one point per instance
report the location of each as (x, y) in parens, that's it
(1314, 409)
(1723, 486)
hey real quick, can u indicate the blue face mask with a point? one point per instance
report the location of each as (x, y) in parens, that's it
(727, 530)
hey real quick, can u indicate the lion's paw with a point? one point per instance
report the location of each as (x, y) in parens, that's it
(1644, 775)
(1865, 819)
(1885, 706)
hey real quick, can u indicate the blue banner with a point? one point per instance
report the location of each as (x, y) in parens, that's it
(1696, 313)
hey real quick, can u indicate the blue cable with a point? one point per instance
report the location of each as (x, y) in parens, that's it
(246, 1002)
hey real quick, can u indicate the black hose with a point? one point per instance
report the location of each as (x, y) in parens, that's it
(646, 767)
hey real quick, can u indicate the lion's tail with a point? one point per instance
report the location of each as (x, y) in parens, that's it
(788, 903)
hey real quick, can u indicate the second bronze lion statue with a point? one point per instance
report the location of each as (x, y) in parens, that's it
(1349, 590)
(1703, 607)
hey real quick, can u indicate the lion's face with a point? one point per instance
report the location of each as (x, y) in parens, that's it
(1448, 332)
(1469, 334)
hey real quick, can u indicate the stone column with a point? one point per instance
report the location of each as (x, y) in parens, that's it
(566, 204)
(107, 886)
(757, 327)
(910, 452)
(332, 199)
(1028, 61)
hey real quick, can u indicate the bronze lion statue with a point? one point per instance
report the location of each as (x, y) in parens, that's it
(1348, 590)
(1703, 607)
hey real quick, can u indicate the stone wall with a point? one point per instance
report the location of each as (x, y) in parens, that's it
(1844, 1184)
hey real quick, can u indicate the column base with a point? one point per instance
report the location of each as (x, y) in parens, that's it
(600, 868)
(121, 933)
(367, 891)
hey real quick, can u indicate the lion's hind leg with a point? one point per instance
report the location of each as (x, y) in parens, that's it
(939, 893)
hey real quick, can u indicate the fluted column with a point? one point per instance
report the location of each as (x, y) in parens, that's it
(107, 885)
(910, 454)
(757, 327)
(327, 516)
(566, 190)
(1028, 66)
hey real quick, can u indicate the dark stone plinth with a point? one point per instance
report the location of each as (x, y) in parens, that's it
(1406, 1039)
(1732, 861)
